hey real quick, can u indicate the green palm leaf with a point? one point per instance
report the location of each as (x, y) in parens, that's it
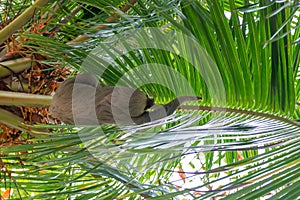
(241, 138)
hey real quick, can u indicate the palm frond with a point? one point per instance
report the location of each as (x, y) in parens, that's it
(242, 58)
(268, 147)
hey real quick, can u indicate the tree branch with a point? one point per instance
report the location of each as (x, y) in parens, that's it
(21, 20)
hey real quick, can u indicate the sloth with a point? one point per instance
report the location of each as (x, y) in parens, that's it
(81, 100)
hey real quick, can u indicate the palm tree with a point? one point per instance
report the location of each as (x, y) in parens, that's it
(239, 142)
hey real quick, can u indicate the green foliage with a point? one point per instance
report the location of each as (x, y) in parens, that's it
(247, 146)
